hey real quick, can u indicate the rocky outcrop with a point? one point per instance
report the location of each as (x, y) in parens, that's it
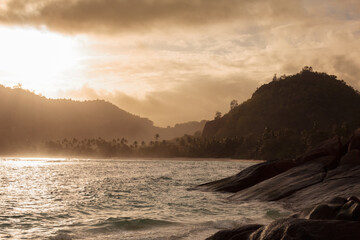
(341, 209)
(242, 232)
(320, 175)
(324, 172)
(284, 184)
(295, 229)
(326, 154)
(249, 176)
(342, 181)
(338, 221)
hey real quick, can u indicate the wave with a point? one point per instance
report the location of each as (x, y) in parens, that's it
(61, 236)
(128, 224)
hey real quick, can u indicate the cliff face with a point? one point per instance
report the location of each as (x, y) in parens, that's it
(298, 102)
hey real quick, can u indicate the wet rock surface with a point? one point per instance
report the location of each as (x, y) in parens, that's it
(336, 221)
(284, 184)
(249, 176)
(322, 185)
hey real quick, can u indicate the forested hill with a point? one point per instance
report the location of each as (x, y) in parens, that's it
(304, 101)
(27, 118)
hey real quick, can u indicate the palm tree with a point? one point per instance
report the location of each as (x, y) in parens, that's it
(123, 141)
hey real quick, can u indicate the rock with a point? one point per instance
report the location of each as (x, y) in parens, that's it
(242, 232)
(305, 186)
(328, 154)
(249, 176)
(352, 158)
(319, 211)
(342, 181)
(324, 211)
(61, 236)
(354, 143)
(349, 211)
(353, 198)
(296, 229)
(284, 184)
(341, 210)
(320, 175)
(303, 229)
(331, 147)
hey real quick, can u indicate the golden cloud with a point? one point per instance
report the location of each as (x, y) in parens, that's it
(107, 16)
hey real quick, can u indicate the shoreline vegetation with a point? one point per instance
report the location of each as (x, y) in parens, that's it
(273, 145)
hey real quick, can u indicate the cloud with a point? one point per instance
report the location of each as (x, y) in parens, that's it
(193, 100)
(216, 50)
(109, 16)
(193, 78)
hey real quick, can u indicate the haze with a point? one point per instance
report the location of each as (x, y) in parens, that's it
(172, 60)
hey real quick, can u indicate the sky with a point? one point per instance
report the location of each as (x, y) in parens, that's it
(173, 61)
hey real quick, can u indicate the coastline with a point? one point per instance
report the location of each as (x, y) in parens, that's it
(135, 159)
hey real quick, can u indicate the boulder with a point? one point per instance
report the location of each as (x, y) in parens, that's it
(304, 229)
(349, 211)
(342, 209)
(295, 229)
(324, 211)
(284, 184)
(249, 176)
(321, 211)
(242, 232)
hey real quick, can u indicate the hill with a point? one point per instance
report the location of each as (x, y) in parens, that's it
(27, 118)
(299, 102)
(287, 116)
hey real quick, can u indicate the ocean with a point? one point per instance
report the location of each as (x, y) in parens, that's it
(63, 199)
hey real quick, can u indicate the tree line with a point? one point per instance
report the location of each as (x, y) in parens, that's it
(272, 144)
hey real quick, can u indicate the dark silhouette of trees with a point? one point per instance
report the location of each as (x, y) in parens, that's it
(157, 136)
(233, 104)
(274, 78)
(294, 103)
(217, 115)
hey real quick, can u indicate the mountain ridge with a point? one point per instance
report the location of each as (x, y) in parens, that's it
(27, 118)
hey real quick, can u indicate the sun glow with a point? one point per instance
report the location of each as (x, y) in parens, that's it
(37, 59)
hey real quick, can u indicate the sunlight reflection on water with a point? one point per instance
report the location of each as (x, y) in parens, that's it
(114, 199)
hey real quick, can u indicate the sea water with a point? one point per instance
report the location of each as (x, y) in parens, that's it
(64, 199)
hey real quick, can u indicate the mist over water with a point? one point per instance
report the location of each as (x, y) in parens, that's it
(120, 199)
